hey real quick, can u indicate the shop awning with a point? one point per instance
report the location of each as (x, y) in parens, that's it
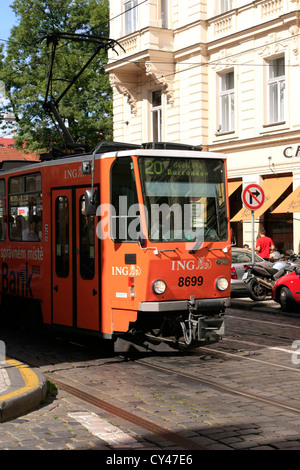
(273, 188)
(290, 204)
(233, 186)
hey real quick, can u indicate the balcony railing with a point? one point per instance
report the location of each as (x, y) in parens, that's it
(251, 14)
(271, 9)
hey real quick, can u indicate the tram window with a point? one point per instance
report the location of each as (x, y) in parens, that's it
(87, 242)
(185, 198)
(124, 197)
(3, 215)
(25, 207)
(62, 242)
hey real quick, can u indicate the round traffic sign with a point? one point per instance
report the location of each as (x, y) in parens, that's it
(253, 196)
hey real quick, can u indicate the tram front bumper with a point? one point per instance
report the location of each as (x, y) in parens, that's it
(201, 321)
(202, 305)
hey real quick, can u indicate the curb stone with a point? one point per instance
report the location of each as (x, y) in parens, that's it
(25, 391)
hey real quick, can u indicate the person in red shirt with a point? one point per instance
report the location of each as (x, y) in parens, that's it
(264, 245)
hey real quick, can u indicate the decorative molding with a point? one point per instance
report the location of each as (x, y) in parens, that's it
(297, 2)
(165, 80)
(123, 90)
(223, 62)
(272, 46)
(294, 31)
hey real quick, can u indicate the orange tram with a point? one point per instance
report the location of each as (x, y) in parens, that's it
(130, 242)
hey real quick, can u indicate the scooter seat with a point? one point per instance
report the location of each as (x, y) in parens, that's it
(272, 271)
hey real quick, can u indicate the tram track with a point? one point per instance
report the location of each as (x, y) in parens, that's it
(247, 358)
(223, 388)
(281, 342)
(255, 320)
(250, 343)
(164, 433)
(148, 425)
(267, 323)
(285, 336)
(90, 396)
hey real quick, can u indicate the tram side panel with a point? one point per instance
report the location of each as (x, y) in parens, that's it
(75, 252)
(23, 249)
(42, 270)
(116, 288)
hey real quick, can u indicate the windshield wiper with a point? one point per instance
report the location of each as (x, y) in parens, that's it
(196, 246)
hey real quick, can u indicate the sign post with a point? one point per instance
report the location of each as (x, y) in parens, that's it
(253, 197)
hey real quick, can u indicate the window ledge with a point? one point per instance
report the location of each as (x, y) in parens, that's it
(220, 133)
(274, 127)
(273, 124)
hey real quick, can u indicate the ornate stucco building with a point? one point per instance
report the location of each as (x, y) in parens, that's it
(223, 74)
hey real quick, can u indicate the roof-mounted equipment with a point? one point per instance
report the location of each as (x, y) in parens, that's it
(52, 106)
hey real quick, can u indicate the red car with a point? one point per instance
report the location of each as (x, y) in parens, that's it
(286, 291)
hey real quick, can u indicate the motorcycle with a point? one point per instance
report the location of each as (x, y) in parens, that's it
(260, 279)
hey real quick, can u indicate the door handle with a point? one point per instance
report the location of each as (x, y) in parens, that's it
(55, 288)
(95, 292)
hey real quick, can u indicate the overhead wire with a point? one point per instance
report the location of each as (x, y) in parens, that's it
(193, 64)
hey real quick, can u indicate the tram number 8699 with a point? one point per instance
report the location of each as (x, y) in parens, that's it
(190, 281)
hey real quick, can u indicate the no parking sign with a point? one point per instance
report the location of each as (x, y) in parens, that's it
(253, 197)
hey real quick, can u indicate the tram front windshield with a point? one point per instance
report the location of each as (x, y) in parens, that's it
(184, 198)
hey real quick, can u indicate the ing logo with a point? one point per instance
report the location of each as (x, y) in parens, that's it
(126, 270)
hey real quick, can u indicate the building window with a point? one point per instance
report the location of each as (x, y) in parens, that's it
(225, 5)
(156, 116)
(164, 14)
(227, 102)
(131, 13)
(276, 90)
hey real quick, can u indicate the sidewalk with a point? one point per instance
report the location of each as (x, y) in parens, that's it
(21, 389)
(248, 304)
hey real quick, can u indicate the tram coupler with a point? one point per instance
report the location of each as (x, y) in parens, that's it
(201, 328)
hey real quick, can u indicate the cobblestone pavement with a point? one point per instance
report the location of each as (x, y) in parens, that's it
(208, 416)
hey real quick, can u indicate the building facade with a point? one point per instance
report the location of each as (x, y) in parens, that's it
(223, 74)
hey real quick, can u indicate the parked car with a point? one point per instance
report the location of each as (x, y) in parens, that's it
(240, 258)
(286, 291)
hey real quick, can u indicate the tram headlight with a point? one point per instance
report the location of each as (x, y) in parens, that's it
(222, 283)
(159, 286)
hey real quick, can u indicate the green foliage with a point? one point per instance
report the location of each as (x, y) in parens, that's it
(87, 106)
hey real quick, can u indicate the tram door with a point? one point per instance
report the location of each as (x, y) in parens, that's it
(75, 288)
(87, 266)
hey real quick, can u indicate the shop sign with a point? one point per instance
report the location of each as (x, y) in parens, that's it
(290, 152)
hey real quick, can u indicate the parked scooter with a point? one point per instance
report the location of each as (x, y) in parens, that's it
(292, 257)
(260, 279)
